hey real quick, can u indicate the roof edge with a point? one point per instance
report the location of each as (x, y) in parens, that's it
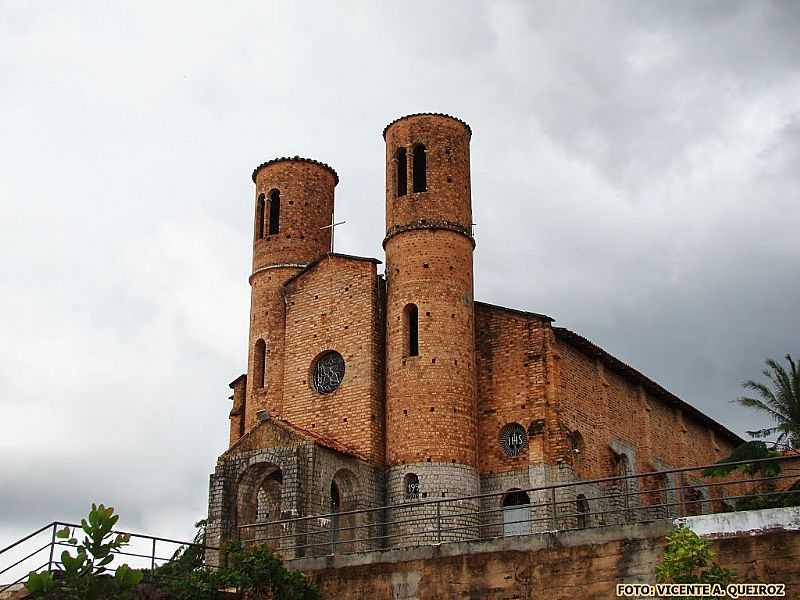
(296, 159)
(313, 264)
(657, 390)
(428, 114)
(515, 311)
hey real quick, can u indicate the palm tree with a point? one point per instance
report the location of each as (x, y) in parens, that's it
(780, 399)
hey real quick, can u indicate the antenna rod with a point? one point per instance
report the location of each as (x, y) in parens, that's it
(332, 227)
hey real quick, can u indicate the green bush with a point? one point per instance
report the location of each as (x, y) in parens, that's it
(86, 575)
(690, 559)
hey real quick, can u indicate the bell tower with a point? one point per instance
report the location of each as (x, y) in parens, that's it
(431, 420)
(293, 203)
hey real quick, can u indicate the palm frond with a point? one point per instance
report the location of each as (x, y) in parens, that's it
(756, 403)
(779, 397)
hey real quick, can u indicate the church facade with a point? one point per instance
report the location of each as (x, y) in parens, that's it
(366, 390)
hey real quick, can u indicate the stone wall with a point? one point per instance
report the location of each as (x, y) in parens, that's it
(579, 564)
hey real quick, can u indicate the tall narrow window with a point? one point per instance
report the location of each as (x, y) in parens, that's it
(420, 169)
(260, 363)
(274, 212)
(260, 217)
(412, 329)
(402, 173)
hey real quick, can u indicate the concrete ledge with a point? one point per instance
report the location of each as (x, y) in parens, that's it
(521, 543)
(748, 522)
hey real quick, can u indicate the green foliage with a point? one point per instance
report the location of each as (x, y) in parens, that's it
(766, 496)
(86, 575)
(754, 450)
(779, 399)
(690, 559)
(254, 570)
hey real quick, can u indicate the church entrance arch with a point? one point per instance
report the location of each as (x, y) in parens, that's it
(258, 500)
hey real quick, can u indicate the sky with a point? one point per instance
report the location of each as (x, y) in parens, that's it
(635, 172)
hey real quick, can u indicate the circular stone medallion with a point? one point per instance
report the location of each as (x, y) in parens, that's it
(328, 372)
(513, 439)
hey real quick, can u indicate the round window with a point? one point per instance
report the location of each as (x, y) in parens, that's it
(513, 439)
(328, 372)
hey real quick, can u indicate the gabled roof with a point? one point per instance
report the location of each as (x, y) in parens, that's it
(322, 440)
(315, 263)
(297, 431)
(613, 363)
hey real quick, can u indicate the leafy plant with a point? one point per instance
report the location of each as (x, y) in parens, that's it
(767, 495)
(690, 559)
(256, 571)
(780, 399)
(755, 450)
(86, 576)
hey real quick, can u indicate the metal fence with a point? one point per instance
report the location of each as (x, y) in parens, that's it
(143, 551)
(610, 501)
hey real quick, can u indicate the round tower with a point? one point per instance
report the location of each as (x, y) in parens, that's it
(293, 203)
(431, 423)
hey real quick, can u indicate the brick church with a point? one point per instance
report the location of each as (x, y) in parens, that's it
(367, 390)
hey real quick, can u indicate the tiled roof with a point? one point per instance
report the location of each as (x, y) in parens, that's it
(427, 114)
(294, 159)
(648, 384)
(320, 439)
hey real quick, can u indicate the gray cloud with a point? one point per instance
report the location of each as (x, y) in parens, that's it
(635, 176)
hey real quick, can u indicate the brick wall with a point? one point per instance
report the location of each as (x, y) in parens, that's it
(335, 306)
(510, 361)
(306, 205)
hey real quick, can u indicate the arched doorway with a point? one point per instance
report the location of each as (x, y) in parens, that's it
(344, 497)
(516, 513)
(259, 500)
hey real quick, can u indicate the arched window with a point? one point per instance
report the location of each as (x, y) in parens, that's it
(401, 178)
(582, 510)
(411, 486)
(260, 217)
(411, 318)
(260, 363)
(274, 212)
(420, 169)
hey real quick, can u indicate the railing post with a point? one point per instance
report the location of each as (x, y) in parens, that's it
(438, 522)
(555, 515)
(52, 548)
(153, 558)
(333, 534)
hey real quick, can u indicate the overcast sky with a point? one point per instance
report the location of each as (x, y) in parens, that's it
(635, 169)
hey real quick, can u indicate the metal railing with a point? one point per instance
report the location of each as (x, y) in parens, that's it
(609, 501)
(149, 561)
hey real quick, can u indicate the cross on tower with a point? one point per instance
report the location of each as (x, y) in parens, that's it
(332, 227)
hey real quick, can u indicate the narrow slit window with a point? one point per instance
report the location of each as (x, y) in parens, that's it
(420, 169)
(402, 173)
(274, 212)
(412, 330)
(260, 363)
(260, 217)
